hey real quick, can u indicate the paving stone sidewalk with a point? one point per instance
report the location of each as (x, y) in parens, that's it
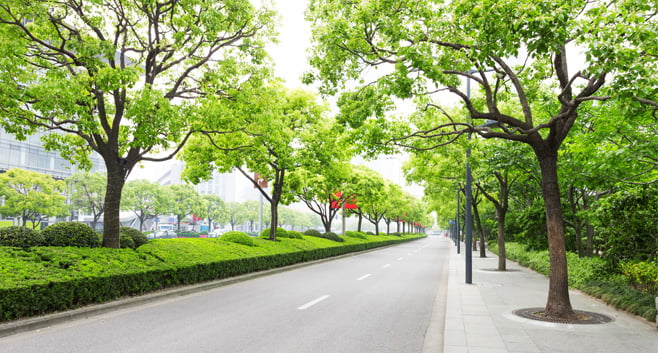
(480, 316)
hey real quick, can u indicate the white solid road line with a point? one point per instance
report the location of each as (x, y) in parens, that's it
(400, 258)
(313, 302)
(364, 277)
(386, 266)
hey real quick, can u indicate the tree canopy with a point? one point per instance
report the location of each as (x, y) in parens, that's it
(123, 78)
(521, 66)
(32, 196)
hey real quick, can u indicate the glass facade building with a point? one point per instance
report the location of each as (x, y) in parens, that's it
(31, 155)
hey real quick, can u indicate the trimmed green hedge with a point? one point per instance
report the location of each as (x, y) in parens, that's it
(591, 275)
(238, 238)
(70, 234)
(355, 234)
(20, 237)
(138, 238)
(48, 279)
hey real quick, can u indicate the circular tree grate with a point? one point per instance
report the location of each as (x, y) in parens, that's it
(584, 317)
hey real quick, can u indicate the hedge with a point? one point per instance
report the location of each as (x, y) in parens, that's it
(48, 279)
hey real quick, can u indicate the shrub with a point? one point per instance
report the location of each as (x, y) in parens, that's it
(328, 235)
(280, 233)
(353, 234)
(137, 237)
(126, 242)
(70, 234)
(332, 236)
(237, 237)
(20, 237)
(295, 234)
(312, 233)
(642, 275)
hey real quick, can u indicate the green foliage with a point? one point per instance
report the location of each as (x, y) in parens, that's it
(70, 234)
(354, 234)
(312, 232)
(127, 241)
(616, 292)
(31, 195)
(202, 49)
(20, 237)
(642, 275)
(627, 224)
(292, 234)
(88, 193)
(328, 235)
(238, 238)
(280, 233)
(48, 279)
(138, 238)
(332, 236)
(528, 226)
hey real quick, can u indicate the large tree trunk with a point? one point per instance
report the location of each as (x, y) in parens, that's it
(558, 304)
(502, 256)
(277, 191)
(480, 230)
(274, 213)
(111, 221)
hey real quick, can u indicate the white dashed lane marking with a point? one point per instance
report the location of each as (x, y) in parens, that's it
(364, 277)
(313, 302)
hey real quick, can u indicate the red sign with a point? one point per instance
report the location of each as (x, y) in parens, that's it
(262, 182)
(351, 205)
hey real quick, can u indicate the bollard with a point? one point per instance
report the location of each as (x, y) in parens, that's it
(656, 310)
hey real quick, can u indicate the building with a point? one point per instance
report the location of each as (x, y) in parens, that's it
(31, 155)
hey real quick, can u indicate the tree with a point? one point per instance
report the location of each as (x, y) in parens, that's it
(31, 195)
(236, 213)
(397, 203)
(146, 199)
(370, 190)
(500, 162)
(121, 78)
(280, 131)
(213, 209)
(184, 201)
(88, 193)
(318, 189)
(431, 46)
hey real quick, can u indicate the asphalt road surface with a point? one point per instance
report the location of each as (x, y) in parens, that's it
(379, 301)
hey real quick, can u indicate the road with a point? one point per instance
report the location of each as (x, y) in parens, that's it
(379, 301)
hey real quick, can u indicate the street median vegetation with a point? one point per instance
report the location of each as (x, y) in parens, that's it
(43, 280)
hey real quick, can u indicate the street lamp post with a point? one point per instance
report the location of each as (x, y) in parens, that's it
(457, 225)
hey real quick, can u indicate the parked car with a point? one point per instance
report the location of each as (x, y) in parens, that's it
(216, 233)
(163, 234)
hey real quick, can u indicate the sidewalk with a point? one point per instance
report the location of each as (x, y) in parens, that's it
(480, 319)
